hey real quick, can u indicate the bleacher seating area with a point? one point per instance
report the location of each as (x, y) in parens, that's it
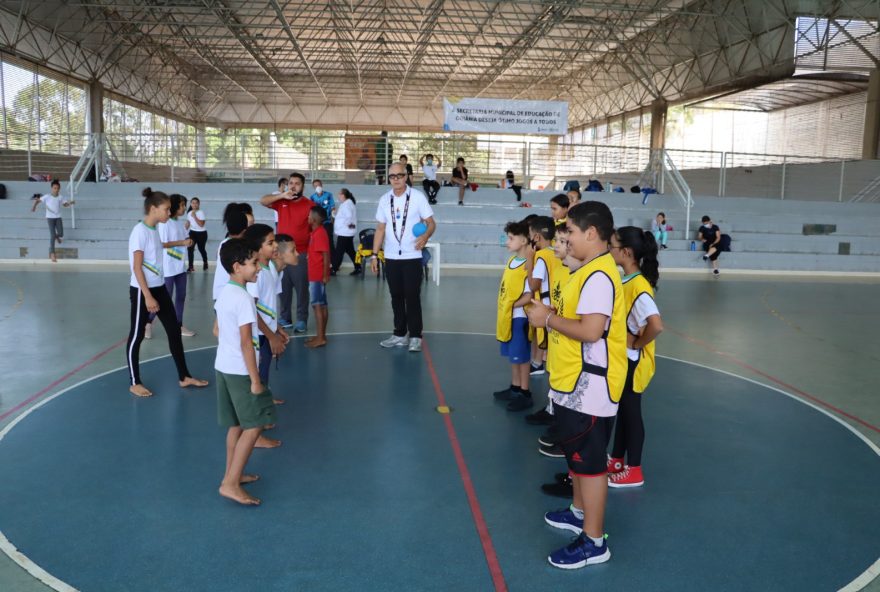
(767, 234)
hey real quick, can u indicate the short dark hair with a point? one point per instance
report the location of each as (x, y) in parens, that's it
(256, 234)
(544, 226)
(284, 242)
(236, 222)
(54, 183)
(404, 156)
(707, 219)
(320, 212)
(561, 200)
(176, 200)
(153, 199)
(236, 207)
(517, 229)
(429, 155)
(282, 180)
(235, 250)
(593, 213)
(459, 159)
(298, 176)
(317, 181)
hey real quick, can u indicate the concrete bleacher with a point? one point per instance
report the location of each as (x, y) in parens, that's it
(767, 234)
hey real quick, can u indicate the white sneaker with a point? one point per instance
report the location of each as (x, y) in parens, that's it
(184, 332)
(148, 331)
(394, 341)
(415, 344)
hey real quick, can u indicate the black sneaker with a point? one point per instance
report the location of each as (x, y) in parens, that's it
(564, 489)
(548, 438)
(504, 395)
(551, 451)
(536, 369)
(357, 271)
(520, 402)
(539, 418)
(562, 477)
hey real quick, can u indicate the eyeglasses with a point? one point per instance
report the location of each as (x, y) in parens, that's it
(394, 176)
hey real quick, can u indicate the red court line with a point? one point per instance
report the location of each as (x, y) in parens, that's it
(36, 396)
(479, 521)
(773, 379)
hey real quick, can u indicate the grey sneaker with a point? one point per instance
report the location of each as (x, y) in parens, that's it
(394, 341)
(148, 331)
(415, 344)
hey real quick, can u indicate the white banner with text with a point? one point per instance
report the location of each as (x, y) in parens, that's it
(503, 116)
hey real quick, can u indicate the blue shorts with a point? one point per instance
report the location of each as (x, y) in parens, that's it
(518, 350)
(318, 293)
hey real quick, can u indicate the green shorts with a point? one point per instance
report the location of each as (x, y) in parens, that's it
(237, 406)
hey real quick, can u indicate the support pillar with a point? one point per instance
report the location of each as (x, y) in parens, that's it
(552, 153)
(658, 124)
(871, 133)
(96, 123)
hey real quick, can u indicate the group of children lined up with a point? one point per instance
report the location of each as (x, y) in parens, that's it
(562, 290)
(247, 283)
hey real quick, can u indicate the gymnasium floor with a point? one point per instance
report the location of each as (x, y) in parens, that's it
(374, 489)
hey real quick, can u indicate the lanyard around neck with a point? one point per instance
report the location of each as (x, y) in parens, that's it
(402, 222)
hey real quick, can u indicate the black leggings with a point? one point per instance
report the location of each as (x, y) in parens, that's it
(431, 189)
(344, 246)
(517, 189)
(199, 239)
(139, 319)
(629, 438)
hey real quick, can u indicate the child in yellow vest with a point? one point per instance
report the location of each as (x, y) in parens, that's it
(587, 358)
(541, 233)
(635, 250)
(512, 326)
(559, 207)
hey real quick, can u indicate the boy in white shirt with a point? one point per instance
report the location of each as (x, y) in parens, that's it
(53, 202)
(244, 404)
(429, 169)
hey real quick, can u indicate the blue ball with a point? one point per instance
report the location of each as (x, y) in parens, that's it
(420, 229)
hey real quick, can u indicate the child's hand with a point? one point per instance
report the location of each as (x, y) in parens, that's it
(257, 387)
(152, 303)
(326, 279)
(276, 344)
(285, 338)
(188, 243)
(537, 312)
(630, 340)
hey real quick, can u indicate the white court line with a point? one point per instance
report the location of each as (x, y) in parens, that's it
(54, 583)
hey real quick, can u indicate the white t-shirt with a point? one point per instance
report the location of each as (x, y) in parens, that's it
(346, 214)
(235, 307)
(145, 238)
(519, 312)
(590, 394)
(402, 246)
(173, 258)
(53, 205)
(193, 225)
(221, 276)
(540, 273)
(266, 290)
(430, 172)
(642, 308)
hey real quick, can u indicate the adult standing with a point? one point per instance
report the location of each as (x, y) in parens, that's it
(198, 232)
(345, 229)
(293, 219)
(399, 211)
(53, 202)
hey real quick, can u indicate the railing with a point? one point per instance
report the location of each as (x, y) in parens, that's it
(249, 156)
(663, 166)
(869, 193)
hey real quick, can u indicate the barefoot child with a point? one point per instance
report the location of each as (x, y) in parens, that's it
(53, 203)
(636, 252)
(512, 327)
(319, 274)
(174, 242)
(244, 404)
(587, 373)
(148, 294)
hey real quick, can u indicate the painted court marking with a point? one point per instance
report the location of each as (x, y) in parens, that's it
(6, 546)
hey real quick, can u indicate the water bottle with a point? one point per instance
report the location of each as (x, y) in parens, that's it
(503, 240)
(610, 187)
(693, 245)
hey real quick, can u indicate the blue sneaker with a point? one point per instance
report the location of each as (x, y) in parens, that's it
(581, 552)
(565, 519)
(300, 327)
(285, 324)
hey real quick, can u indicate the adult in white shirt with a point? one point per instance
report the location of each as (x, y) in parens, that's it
(53, 202)
(345, 229)
(197, 226)
(399, 211)
(429, 169)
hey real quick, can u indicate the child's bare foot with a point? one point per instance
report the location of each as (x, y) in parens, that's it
(264, 442)
(316, 343)
(237, 494)
(271, 426)
(58, 238)
(139, 390)
(245, 479)
(279, 401)
(308, 340)
(190, 381)
(53, 258)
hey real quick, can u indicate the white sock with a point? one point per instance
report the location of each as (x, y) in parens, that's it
(579, 514)
(598, 542)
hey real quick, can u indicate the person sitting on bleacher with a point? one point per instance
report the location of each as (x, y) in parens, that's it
(508, 182)
(429, 169)
(460, 178)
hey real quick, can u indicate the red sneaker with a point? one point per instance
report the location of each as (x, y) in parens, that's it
(615, 465)
(628, 477)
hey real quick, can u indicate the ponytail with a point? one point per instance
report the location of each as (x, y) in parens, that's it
(153, 199)
(644, 249)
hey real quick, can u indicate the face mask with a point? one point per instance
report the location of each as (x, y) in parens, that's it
(430, 162)
(319, 190)
(707, 225)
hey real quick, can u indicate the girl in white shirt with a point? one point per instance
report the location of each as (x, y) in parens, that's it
(175, 243)
(345, 229)
(53, 202)
(198, 232)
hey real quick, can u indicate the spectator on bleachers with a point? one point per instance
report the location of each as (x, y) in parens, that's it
(429, 169)
(404, 160)
(460, 178)
(660, 229)
(508, 182)
(574, 196)
(714, 242)
(559, 205)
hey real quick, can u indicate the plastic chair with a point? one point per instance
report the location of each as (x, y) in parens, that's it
(365, 250)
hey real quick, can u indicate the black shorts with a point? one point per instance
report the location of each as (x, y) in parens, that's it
(584, 439)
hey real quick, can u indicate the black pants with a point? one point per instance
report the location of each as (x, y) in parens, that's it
(517, 189)
(139, 319)
(431, 189)
(328, 228)
(405, 284)
(199, 239)
(344, 246)
(295, 278)
(629, 438)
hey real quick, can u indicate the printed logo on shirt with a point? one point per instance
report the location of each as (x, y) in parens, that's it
(156, 269)
(557, 294)
(256, 343)
(267, 310)
(175, 253)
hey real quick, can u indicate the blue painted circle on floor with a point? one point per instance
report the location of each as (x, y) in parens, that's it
(745, 488)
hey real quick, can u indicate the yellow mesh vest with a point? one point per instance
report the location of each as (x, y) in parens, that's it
(567, 353)
(632, 289)
(557, 283)
(509, 291)
(539, 334)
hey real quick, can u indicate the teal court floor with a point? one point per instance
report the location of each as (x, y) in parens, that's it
(373, 489)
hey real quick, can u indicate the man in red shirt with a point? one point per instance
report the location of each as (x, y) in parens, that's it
(319, 274)
(293, 219)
